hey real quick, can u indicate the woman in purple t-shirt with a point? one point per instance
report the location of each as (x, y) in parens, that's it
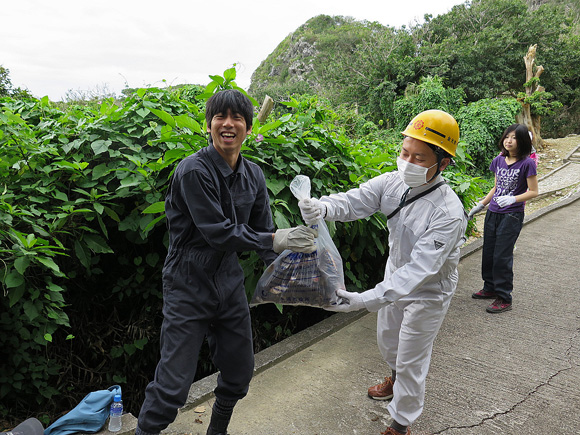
(515, 183)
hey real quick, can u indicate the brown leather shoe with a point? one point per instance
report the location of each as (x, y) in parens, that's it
(391, 431)
(382, 391)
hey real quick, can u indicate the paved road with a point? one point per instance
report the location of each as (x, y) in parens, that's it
(511, 373)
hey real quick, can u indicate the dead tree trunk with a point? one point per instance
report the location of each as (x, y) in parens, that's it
(533, 122)
(267, 107)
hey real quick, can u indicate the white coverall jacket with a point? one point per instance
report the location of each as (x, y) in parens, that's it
(420, 276)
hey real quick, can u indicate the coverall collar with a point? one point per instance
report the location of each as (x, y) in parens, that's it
(221, 164)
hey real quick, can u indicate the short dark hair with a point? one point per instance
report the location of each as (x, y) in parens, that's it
(229, 99)
(522, 138)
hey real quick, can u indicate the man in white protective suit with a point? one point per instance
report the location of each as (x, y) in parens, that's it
(427, 224)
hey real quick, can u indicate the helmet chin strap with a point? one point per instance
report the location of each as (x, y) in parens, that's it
(438, 171)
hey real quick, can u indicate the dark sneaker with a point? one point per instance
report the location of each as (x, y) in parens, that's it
(391, 431)
(499, 306)
(383, 391)
(483, 294)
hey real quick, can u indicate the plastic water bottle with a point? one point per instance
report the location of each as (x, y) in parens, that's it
(116, 413)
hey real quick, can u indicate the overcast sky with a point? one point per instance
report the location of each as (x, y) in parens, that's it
(51, 47)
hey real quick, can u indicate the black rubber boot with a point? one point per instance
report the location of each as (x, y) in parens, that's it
(217, 426)
(220, 417)
(212, 431)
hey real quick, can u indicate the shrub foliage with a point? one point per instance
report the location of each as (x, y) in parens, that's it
(83, 237)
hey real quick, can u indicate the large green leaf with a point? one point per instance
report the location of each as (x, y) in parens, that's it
(281, 221)
(97, 244)
(158, 207)
(48, 262)
(13, 279)
(21, 264)
(15, 294)
(188, 122)
(165, 117)
(100, 146)
(276, 186)
(31, 310)
(81, 254)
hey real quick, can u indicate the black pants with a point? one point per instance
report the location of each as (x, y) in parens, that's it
(500, 232)
(203, 296)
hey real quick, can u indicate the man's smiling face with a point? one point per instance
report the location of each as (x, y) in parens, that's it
(228, 132)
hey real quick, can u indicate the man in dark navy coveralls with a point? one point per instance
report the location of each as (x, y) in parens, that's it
(217, 205)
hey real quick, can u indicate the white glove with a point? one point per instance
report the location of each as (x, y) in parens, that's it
(478, 207)
(297, 239)
(312, 210)
(351, 301)
(504, 201)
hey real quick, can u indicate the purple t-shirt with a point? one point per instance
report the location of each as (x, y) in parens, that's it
(511, 180)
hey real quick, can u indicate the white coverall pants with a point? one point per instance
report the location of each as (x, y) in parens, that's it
(425, 238)
(406, 331)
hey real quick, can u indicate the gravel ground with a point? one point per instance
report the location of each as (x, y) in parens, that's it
(554, 152)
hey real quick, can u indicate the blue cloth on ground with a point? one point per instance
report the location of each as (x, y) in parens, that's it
(89, 416)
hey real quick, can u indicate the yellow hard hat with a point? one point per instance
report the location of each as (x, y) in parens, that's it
(436, 127)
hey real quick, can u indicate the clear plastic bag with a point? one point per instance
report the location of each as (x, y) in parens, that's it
(296, 278)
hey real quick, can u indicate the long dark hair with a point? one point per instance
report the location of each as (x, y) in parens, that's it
(523, 139)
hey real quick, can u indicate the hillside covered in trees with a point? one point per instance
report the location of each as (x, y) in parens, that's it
(477, 47)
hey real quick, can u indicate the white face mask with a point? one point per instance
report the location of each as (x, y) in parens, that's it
(412, 175)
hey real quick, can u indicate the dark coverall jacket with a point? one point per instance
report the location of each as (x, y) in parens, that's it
(212, 213)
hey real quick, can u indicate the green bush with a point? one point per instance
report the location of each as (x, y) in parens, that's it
(481, 124)
(83, 237)
(78, 254)
(82, 233)
(428, 94)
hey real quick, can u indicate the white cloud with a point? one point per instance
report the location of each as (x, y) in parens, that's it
(53, 47)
